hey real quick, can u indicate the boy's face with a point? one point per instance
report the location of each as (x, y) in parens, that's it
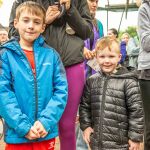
(108, 59)
(29, 27)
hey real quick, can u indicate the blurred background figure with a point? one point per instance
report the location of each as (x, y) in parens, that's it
(112, 33)
(3, 36)
(90, 43)
(129, 48)
(132, 51)
(123, 61)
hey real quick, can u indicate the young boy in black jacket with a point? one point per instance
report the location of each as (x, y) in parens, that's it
(111, 112)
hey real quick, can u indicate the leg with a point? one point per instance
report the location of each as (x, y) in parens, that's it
(145, 89)
(75, 77)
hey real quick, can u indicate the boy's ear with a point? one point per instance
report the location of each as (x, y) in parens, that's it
(43, 28)
(15, 23)
(120, 55)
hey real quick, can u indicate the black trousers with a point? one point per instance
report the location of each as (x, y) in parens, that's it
(145, 89)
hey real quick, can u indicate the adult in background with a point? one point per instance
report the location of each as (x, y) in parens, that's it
(112, 33)
(3, 35)
(70, 48)
(144, 65)
(89, 53)
(90, 43)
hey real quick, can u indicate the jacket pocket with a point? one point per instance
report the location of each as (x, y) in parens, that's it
(123, 137)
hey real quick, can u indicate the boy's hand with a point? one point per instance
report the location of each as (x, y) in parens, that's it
(66, 2)
(86, 134)
(88, 54)
(134, 145)
(32, 134)
(51, 14)
(40, 128)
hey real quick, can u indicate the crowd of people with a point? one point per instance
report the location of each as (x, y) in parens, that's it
(50, 87)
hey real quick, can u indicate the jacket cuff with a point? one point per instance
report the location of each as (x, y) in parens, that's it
(136, 137)
(84, 126)
(45, 124)
(23, 128)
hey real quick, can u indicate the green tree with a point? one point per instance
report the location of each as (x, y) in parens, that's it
(132, 30)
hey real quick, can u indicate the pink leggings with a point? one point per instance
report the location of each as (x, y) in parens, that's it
(75, 77)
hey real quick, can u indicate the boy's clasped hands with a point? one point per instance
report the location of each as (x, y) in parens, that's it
(36, 131)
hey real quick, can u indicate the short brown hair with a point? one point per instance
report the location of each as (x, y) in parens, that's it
(33, 8)
(104, 42)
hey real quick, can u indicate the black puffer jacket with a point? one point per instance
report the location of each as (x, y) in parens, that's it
(70, 47)
(112, 106)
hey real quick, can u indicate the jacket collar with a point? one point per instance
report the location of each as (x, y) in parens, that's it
(14, 45)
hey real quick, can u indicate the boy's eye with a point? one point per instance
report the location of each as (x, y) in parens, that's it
(37, 22)
(101, 56)
(111, 56)
(26, 20)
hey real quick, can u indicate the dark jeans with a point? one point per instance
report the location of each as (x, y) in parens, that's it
(145, 89)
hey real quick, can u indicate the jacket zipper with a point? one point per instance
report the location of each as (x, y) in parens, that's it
(35, 84)
(36, 91)
(102, 111)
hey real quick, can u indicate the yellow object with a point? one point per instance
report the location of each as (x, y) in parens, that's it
(1, 2)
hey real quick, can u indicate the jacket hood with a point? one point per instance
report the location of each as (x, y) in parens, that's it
(14, 45)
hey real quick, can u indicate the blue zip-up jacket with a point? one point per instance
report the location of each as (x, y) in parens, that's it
(24, 98)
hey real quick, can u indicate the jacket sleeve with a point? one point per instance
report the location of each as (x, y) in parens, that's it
(9, 108)
(12, 30)
(123, 51)
(80, 20)
(85, 108)
(144, 27)
(132, 48)
(51, 115)
(135, 110)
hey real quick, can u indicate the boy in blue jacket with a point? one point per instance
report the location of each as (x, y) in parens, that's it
(33, 92)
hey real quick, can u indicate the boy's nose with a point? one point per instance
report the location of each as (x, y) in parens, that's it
(31, 24)
(107, 59)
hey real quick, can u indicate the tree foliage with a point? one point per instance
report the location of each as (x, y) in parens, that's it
(132, 30)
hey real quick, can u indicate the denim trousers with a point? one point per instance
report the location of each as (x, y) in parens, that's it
(80, 143)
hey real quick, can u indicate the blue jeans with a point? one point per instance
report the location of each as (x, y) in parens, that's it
(80, 143)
